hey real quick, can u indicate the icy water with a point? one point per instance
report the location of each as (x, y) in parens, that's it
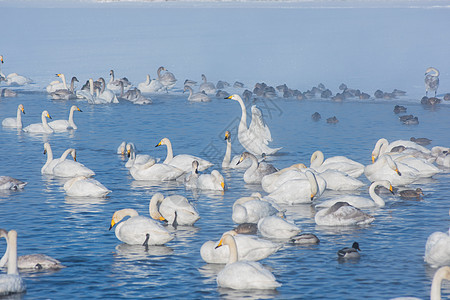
(75, 230)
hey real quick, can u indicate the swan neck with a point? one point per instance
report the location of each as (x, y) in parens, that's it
(112, 77)
(312, 182)
(435, 293)
(71, 122)
(317, 159)
(65, 154)
(244, 113)
(227, 157)
(153, 207)
(91, 86)
(233, 251)
(49, 154)
(376, 198)
(44, 123)
(147, 82)
(159, 72)
(63, 78)
(72, 85)
(4, 259)
(169, 156)
(19, 118)
(12, 253)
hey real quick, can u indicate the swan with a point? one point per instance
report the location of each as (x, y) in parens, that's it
(15, 122)
(65, 94)
(431, 80)
(50, 164)
(257, 170)
(150, 86)
(425, 168)
(233, 163)
(114, 84)
(213, 181)
(342, 214)
(9, 183)
(385, 168)
(87, 94)
(339, 163)
(437, 249)
(362, 202)
(256, 137)
(349, 253)
(243, 274)
(57, 85)
(297, 191)
(441, 156)
(250, 247)
(207, 87)
(272, 181)
(252, 209)
(138, 230)
(40, 127)
(182, 161)
(196, 97)
(133, 95)
(383, 146)
(174, 209)
(82, 186)
(153, 171)
(11, 283)
(167, 79)
(14, 78)
(133, 158)
(64, 125)
(71, 168)
(122, 148)
(340, 181)
(277, 228)
(4, 92)
(105, 95)
(191, 179)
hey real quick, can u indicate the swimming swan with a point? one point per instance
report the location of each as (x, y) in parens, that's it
(257, 170)
(50, 163)
(64, 125)
(174, 209)
(40, 127)
(114, 84)
(196, 97)
(277, 228)
(385, 168)
(339, 163)
(256, 137)
(65, 94)
(11, 283)
(233, 163)
(272, 181)
(82, 186)
(213, 181)
(71, 168)
(437, 249)
(167, 79)
(252, 209)
(153, 171)
(14, 78)
(150, 86)
(340, 181)
(342, 214)
(133, 158)
(57, 85)
(207, 87)
(15, 122)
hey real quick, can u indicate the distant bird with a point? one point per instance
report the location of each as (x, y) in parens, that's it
(417, 193)
(349, 252)
(316, 116)
(399, 109)
(167, 79)
(332, 120)
(305, 239)
(420, 141)
(431, 80)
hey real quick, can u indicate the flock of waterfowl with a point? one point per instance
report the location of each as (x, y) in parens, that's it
(262, 226)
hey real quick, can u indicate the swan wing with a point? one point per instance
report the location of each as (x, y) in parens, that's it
(258, 129)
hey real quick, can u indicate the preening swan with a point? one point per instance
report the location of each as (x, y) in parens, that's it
(349, 253)
(342, 214)
(156, 172)
(15, 122)
(82, 186)
(385, 168)
(13, 78)
(150, 86)
(105, 95)
(437, 249)
(340, 181)
(339, 163)
(11, 283)
(114, 84)
(138, 230)
(196, 97)
(252, 209)
(65, 94)
(256, 137)
(133, 158)
(431, 80)
(243, 274)
(382, 146)
(213, 181)
(174, 209)
(167, 79)
(87, 94)
(64, 125)
(9, 183)
(272, 181)
(71, 168)
(207, 87)
(277, 228)
(40, 127)
(257, 170)
(233, 163)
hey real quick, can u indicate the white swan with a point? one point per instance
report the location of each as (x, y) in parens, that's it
(297, 191)
(383, 146)
(233, 163)
(385, 168)
(257, 170)
(15, 122)
(196, 97)
(156, 172)
(250, 247)
(167, 79)
(82, 186)
(11, 283)
(340, 181)
(150, 86)
(277, 228)
(243, 274)
(182, 161)
(339, 163)
(57, 85)
(40, 127)
(342, 214)
(272, 181)
(191, 179)
(50, 164)
(207, 87)
(122, 148)
(213, 181)
(256, 137)
(64, 125)
(9, 183)
(431, 80)
(87, 94)
(105, 95)
(65, 94)
(175, 209)
(437, 249)
(251, 209)
(71, 168)
(138, 230)
(441, 155)
(14, 78)
(114, 84)
(362, 202)
(133, 158)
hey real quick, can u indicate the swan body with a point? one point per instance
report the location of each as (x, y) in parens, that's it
(233, 163)
(57, 85)
(133, 158)
(114, 84)
(150, 86)
(342, 214)
(191, 179)
(65, 94)
(14, 79)
(361, 202)
(385, 168)
(272, 181)
(153, 171)
(243, 274)
(196, 97)
(175, 209)
(425, 168)
(383, 146)
(256, 137)
(431, 80)
(9, 183)
(71, 168)
(64, 125)
(437, 249)
(105, 95)
(340, 181)
(167, 79)
(207, 87)
(252, 209)
(87, 94)
(257, 170)
(50, 163)
(15, 122)
(339, 163)
(349, 253)
(40, 127)
(82, 186)
(11, 283)
(213, 181)
(441, 156)
(137, 229)
(277, 228)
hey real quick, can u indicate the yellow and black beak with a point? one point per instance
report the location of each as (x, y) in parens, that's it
(48, 116)
(398, 172)
(220, 244)
(159, 144)
(229, 97)
(79, 110)
(222, 184)
(112, 224)
(391, 189)
(373, 158)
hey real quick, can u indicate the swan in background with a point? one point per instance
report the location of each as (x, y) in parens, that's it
(40, 127)
(153, 171)
(361, 202)
(174, 209)
(339, 163)
(87, 94)
(138, 230)
(65, 94)
(257, 170)
(82, 186)
(252, 209)
(15, 122)
(340, 181)
(134, 96)
(167, 79)
(114, 84)
(385, 168)
(250, 247)
(64, 125)
(207, 87)
(272, 181)
(233, 163)
(11, 283)
(342, 214)
(441, 156)
(275, 227)
(133, 158)
(437, 249)
(14, 78)
(57, 85)
(382, 146)
(182, 161)
(196, 97)
(349, 253)
(9, 183)
(105, 95)
(243, 274)
(71, 168)
(122, 148)
(256, 137)
(191, 179)
(431, 80)
(150, 86)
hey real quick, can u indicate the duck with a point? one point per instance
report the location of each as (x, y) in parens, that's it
(431, 80)
(150, 85)
(349, 253)
(82, 186)
(207, 87)
(10, 183)
(155, 171)
(12, 282)
(65, 94)
(305, 239)
(57, 85)
(196, 97)
(14, 78)
(251, 209)
(256, 137)
(246, 228)
(15, 122)
(257, 170)
(167, 79)
(182, 161)
(138, 230)
(275, 227)
(243, 274)
(233, 163)
(71, 168)
(408, 194)
(437, 249)
(40, 127)
(362, 202)
(114, 84)
(175, 209)
(342, 214)
(64, 125)
(339, 163)
(133, 158)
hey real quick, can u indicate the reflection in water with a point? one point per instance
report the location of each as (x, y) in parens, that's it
(210, 271)
(136, 252)
(247, 294)
(84, 204)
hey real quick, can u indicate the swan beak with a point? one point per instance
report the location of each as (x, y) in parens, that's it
(159, 144)
(312, 197)
(162, 219)
(229, 97)
(75, 158)
(45, 151)
(23, 110)
(227, 136)
(48, 116)
(391, 189)
(1, 59)
(240, 160)
(220, 244)
(79, 110)
(222, 184)
(112, 224)
(58, 75)
(373, 158)
(398, 172)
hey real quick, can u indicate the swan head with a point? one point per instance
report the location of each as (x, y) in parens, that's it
(21, 108)
(234, 97)
(46, 114)
(384, 183)
(153, 208)
(226, 238)
(195, 167)
(164, 141)
(3, 233)
(432, 69)
(59, 75)
(73, 152)
(244, 156)
(219, 177)
(1, 58)
(120, 214)
(227, 135)
(111, 72)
